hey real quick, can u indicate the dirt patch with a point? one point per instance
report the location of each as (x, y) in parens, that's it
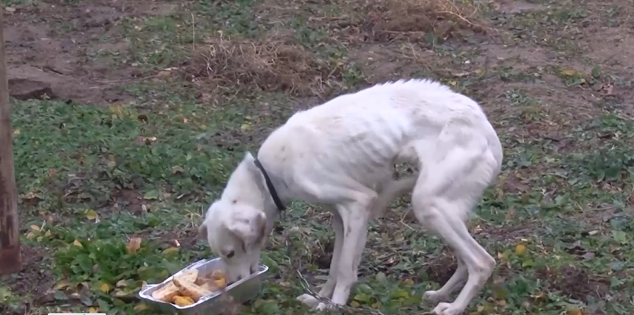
(513, 6)
(574, 282)
(130, 200)
(34, 279)
(609, 47)
(56, 51)
(274, 63)
(441, 268)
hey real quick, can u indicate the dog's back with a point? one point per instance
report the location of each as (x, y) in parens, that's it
(365, 133)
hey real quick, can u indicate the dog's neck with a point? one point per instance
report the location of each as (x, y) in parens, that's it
(242, 188)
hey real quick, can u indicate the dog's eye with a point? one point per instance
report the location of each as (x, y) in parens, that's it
(231, 253)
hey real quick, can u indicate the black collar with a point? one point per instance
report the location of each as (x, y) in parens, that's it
(276, 199)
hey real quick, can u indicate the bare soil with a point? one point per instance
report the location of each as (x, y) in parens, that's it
(64, 51)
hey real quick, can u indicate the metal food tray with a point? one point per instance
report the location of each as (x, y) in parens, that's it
(242, 291)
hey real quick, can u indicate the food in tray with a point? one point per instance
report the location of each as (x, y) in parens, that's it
(189, 287)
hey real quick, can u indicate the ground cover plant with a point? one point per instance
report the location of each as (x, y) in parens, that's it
(128, 117)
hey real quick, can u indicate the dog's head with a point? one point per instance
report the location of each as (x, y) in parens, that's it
(236, 233)
(234, 228)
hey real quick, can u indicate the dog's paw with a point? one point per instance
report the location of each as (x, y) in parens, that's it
(325, 307)
(447, 309)
(435, 296)
(308, 300)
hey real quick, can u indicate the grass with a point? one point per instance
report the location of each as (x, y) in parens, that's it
(217, 77)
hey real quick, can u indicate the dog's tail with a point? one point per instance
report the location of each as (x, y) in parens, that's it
(391, 191)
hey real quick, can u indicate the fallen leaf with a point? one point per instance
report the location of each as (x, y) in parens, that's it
(121, 283)
(408, 282)
(104, 288)
(17, 131)
(47, 234)
(569, 72)
(355, 304)
(170, 250)
(177, 170)
(61, 285)
(120, 293)
(35, 228)
(574, 311)
(520, 249)
(93, 310)
(92, 215)
(140, 307)
(117, 110)
(133, 245)
(164, 74)
(30, 236)
(77, 243)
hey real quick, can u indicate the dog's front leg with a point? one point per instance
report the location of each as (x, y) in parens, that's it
(355, 219)
(329, 287)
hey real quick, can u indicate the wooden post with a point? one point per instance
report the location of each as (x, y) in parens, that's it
(10, 257)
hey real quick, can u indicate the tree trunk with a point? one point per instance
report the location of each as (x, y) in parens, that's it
(10, 258)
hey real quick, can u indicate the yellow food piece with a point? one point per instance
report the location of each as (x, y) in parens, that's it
(217, 275)
(169, 291)
(183, 301)
(221, 283)
(166, 293)
(189, 275)
(210, 285)
(191, 289)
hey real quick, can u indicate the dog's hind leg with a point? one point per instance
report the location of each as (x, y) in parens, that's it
(442, 294)
(450, 184)
(329, 287)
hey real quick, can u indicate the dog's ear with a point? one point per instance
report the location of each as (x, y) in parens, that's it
(250, 230)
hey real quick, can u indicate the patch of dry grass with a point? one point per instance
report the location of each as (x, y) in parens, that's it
(390, 20)
(275, 63)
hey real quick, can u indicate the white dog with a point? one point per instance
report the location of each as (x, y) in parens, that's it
(342, 154)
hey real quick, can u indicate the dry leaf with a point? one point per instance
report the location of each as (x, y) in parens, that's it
(140, 307)
(170, 250)
(520, 249)
(104, 288)
(92, 215)
(61, 285)
(77, 243)
(569, 72)
(35, 228)
(93, 310)
(133, 245)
